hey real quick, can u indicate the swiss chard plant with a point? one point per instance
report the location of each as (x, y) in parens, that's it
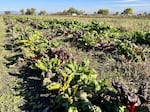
(130, 50)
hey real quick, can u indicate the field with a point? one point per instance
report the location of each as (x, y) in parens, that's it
(74, 64)
(123, 23)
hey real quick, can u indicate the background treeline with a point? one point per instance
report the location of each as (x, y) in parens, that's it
(74, 12)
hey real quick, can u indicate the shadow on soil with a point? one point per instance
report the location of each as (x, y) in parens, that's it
(35, 96)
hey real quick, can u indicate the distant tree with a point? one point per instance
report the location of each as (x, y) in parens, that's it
(31, 11)
(71, 11)
(64, 12)
(127, 11)
(145, 13)
(80, 12)
(103, 11)
(43, 12)
(7, 12)
(117, 13)
(28, 12)
(94, 12)
(22, 11)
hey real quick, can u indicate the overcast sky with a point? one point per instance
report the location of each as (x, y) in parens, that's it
(88, 6)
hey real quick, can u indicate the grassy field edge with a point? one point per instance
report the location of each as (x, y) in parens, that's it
(9, 100)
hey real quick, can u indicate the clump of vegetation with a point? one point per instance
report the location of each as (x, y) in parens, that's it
(141, 37)
(103, 11)
(71, 84)
(127, 11)
(72, 11)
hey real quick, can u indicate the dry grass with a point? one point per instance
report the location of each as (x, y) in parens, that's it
(9, 101)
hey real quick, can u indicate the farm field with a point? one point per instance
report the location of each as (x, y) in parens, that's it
(123, 23)
(74, 64)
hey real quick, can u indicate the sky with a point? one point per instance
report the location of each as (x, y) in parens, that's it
(89, 6)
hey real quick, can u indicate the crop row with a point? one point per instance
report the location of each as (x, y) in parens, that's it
(72, 84)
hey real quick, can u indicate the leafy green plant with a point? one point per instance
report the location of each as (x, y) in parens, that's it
(90, 38)
(78, 85)
(122, 108)
(141, 37)
(46, 64)
(130, 50)
(104, 31)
